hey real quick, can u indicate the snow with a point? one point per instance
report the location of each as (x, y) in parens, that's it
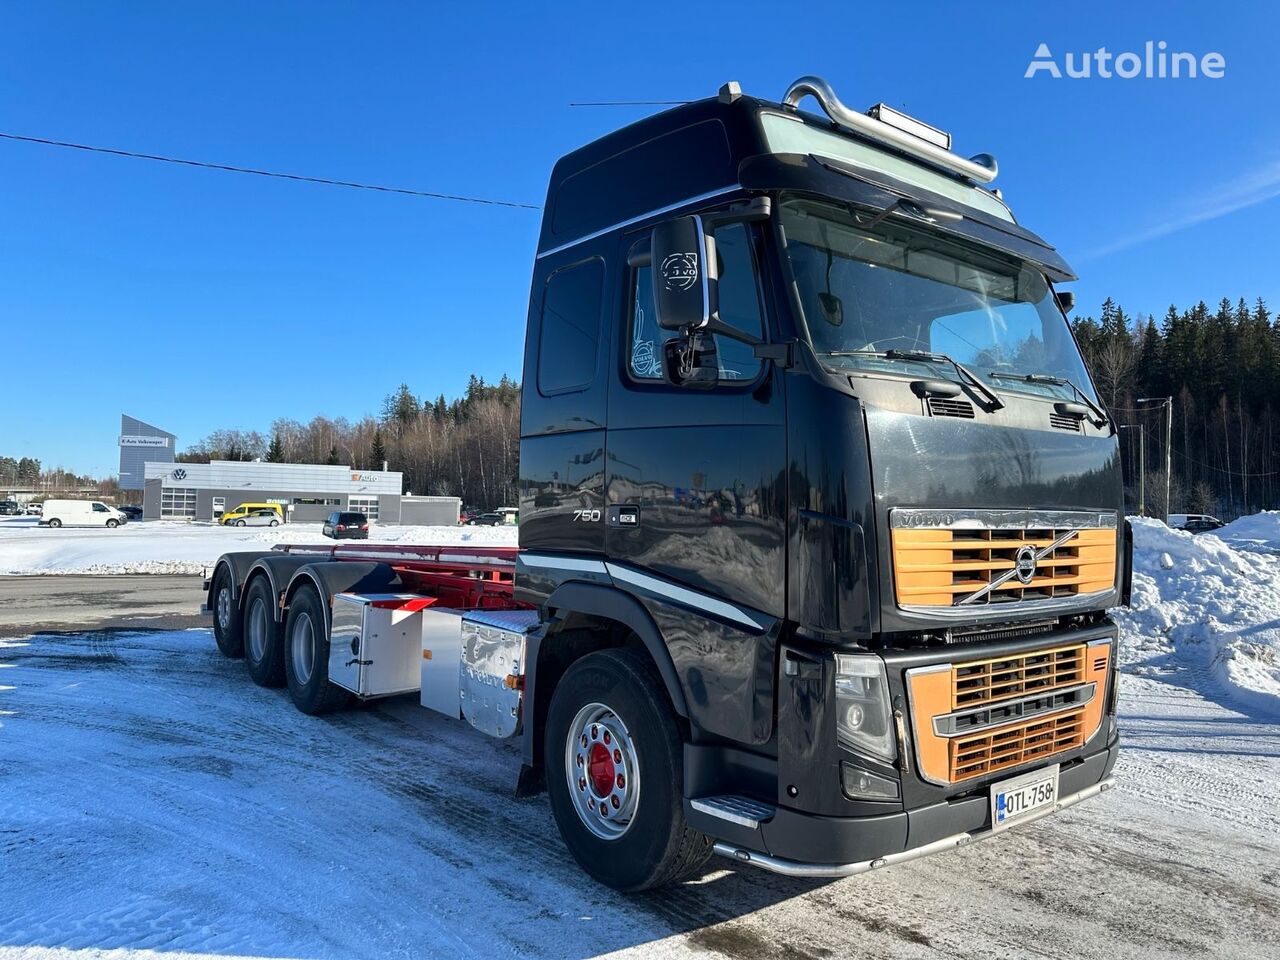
(178, 547)
(156, 805)
(1207, 607)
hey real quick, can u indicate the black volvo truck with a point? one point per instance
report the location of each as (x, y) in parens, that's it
(821, 515)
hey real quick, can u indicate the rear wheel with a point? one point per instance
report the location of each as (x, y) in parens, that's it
(240, 523)
(227, 628)
(263, 640)
(307, 659)
(615, 774)
(55, 522)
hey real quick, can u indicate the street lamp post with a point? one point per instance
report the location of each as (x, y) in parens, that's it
(1142, 466)
(1168, 447)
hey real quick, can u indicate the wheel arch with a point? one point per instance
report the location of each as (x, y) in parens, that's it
(583, 618)
(339, 576)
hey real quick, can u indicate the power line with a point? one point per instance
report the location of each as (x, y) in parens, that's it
(270, 173)
(629, 103)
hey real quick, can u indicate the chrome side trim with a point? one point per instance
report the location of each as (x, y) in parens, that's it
(666, 590)
(795, 868)
(940, 722)
(576, 564)
(962, 519)
(1013, 571)
(638, 218)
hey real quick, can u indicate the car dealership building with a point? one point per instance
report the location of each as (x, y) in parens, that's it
(306, 491)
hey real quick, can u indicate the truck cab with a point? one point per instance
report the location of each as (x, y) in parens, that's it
(820, 514)
(801, 403)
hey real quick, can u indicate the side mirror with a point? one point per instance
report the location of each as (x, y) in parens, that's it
(683, 274)
(1066, 301)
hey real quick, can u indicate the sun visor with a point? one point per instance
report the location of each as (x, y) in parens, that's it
(874, 190)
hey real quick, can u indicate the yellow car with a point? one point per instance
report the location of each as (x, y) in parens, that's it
(248, 514)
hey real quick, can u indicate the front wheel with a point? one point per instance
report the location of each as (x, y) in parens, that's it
(306, 664)
(240, 523)
(55, 522)
(615, 774)
(112, 524)
(274, 523)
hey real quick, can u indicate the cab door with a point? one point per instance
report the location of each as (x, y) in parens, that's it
(695, 477)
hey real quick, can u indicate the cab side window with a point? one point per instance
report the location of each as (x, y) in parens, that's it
(570, 329)
(739, 306)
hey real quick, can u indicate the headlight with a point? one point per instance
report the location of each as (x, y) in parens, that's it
(862, 706)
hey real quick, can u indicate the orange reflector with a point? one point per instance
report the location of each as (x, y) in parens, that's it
(426, 654)
(512, 682)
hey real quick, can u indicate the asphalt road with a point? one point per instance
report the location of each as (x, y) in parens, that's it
(206, 817)
(59, 603)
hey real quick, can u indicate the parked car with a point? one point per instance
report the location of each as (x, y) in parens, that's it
(131, 511)
(242, 513)
(10, 508)
(1195, 522)
(80, 513)
(1203, 525)
(256, 518)
(35, 509)
(486, 520)
(346, 526)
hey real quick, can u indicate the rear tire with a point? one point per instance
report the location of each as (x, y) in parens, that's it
(240, 523)
(55, 522)
(263, 636)
(306, 662)
(612, 744)
(228, 629)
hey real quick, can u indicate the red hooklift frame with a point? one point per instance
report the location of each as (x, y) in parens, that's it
(462, 577)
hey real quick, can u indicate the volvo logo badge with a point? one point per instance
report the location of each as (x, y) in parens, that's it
(1024, 565)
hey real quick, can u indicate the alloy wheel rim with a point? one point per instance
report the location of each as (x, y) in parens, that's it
(257, 629)
(602, 771)
(302, 647)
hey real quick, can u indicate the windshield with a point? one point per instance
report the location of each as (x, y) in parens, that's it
(895, 289)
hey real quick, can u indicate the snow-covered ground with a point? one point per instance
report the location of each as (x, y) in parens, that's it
(1208, 605)
(169, 546)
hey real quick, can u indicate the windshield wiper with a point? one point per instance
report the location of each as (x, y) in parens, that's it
(924, 356)
(1097, 411)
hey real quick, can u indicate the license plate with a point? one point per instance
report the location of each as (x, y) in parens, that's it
(1016, 799)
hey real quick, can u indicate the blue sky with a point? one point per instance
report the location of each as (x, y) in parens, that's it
(197, 300)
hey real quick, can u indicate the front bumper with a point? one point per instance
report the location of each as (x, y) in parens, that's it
(806, 845)
(793, 868)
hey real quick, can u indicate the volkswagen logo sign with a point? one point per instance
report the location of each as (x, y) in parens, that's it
(179, 474)
(1024, 565)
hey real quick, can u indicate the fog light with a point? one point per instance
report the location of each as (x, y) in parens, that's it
(862, 784)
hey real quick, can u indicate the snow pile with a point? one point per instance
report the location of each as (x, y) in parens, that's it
(1206, 606)
(178, 547)
(1259, 531)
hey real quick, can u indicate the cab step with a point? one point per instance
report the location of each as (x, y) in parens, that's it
(743, 811)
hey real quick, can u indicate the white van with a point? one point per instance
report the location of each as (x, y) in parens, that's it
(80, 513)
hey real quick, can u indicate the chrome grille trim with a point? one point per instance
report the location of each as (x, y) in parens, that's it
(947, 724)
(962, 519)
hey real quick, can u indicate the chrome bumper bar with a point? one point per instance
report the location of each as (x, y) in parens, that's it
(794, 868)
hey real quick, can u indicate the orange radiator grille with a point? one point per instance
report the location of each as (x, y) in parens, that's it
(984, 681)
(1012, 746)
(981, 567)
(979, 717)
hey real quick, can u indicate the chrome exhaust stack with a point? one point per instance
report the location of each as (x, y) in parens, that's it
(893, 129)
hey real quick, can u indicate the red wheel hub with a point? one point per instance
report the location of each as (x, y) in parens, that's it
(600, 769)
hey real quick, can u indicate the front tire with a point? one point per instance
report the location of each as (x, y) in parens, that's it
(55, 523)
(615, 774)
(274, 523)
(263, 638)
(307, 656)
(241, 523)
(112, 524)
(228, 630)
